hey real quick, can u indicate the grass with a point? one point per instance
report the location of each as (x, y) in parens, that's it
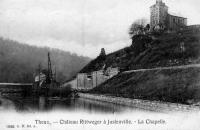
(148, 52)
(151, 51)
(177, 86)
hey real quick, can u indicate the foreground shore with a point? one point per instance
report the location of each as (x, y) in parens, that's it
(142, 104)
(6, 104)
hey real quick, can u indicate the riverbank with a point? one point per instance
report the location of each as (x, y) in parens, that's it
(6, 104)
(141, 104)
(180, 85)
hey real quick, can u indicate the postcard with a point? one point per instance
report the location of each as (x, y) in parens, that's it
(99, 65)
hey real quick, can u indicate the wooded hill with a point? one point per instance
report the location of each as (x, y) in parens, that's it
(152, 50)
(19, 62)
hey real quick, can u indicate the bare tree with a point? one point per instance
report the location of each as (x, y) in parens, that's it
(137, 27)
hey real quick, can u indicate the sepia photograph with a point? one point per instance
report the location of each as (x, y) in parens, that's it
(99, 64)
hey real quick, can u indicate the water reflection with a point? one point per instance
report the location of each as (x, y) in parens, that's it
(43, 104)
(22, 103)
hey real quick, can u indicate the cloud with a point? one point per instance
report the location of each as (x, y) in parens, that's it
(74, 25)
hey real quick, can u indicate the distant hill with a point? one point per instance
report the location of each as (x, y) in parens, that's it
(152, 50)
(19, 62)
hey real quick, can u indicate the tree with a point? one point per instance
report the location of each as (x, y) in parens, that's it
(137, 27)
(18, 62)
(103, 52)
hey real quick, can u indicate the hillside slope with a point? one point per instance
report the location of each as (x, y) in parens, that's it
(172, 85)
(180, 85)
(149, 51)
(19, 62)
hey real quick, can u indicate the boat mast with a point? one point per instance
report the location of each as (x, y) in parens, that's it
(49, 72)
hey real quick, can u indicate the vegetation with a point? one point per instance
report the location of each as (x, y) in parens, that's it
(153, 50)
(150, 51)
(177, 86)
(139, 26)
(19, 62)
(95, 64)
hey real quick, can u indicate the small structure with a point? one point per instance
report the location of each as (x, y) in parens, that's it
(87, 81)
(193, 28)
(40, 78)
(91, 80)
(45, 78)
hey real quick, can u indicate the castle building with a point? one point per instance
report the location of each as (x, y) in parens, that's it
(160, 18)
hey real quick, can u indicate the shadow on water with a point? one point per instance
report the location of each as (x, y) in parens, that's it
(47, 104)
(24, 102)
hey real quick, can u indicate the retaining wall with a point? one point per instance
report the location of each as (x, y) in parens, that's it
(142, 104)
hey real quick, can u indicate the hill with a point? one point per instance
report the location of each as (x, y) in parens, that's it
(19, 62)
(152, 50)
(180, 85)
(171, 85)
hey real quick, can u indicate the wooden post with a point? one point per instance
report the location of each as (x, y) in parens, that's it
(83, 81)
(92, 78)
(96, 79)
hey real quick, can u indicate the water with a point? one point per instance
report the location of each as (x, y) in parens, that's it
(52, 104)
(20, 110)
(20, 102)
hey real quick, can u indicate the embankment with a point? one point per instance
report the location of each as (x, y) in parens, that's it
(6, 104)
(142, 104)
(180, 85)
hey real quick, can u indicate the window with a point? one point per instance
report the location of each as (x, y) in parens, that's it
(174, 20)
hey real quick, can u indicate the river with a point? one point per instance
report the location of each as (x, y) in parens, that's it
(52, 104)
(19, 110)
(15, 99)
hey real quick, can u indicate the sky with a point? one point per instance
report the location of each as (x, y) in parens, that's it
(81, 26)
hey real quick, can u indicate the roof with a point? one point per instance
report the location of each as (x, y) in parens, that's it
(177, 16)
(162, 4)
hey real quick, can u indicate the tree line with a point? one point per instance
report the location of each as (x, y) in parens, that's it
(19, 62)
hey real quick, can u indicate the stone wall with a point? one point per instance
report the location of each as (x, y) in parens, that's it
(142, 104)
(87, 81)
(84, 81)
(98, 78)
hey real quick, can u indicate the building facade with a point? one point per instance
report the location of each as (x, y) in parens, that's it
(160, 18)
(87, 81)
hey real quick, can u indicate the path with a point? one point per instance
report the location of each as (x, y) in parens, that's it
(164, 68)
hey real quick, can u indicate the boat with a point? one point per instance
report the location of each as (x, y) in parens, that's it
(45, 81)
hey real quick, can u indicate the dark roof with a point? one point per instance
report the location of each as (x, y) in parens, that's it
(177, 16)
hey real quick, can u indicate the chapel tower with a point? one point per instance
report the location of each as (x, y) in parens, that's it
(159, 13)
(162, 19)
